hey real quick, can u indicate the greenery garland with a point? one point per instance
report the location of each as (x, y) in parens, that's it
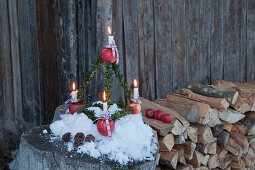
(125, 110)
(110, 69)
(89, 77)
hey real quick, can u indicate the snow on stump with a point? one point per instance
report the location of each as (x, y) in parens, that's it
(40, 149)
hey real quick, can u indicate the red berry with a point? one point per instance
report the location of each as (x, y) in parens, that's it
(158, 114)
(166, 118)
(149, 113)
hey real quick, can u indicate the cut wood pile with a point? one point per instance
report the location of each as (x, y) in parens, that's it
(213, 126)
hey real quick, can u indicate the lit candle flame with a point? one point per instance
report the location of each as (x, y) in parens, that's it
(109, 30)
(73, 85)
(104, 96)
(135, 83)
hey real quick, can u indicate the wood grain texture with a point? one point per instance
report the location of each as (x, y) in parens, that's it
(163, 47)
(146, 49)
(204, 41)
(68, 47)
(15, 58)
(130, 10)
(117, 28)
(250, 40)
(234, 24)
(178, 44)
(216, 41)
(48, 60)
(192, 41)
(29, 60)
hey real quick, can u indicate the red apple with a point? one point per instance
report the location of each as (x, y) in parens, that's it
(149, 113)
(136, 108)
(107, 55)
(74, 106)
(102, 128)
(166, 118)
(158, 114)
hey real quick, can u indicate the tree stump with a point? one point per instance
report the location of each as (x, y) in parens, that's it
(38, 151)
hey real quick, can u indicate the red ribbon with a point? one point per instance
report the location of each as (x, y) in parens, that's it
(137, 101)
(114, 50)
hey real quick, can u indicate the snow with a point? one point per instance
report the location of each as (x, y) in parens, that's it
(132, 140)
(13, 155)
(45, 131)
(98, 111)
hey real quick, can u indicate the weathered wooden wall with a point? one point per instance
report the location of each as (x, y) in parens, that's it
(46, 45)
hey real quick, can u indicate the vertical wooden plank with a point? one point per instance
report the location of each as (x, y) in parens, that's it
(29, 60)
(6, 91)
(192, 26)
(234, 40)
(117, 28)
(216, 40)
(68, 51)
(163, 47)
(178, 44)
(204, 41)
(15, 58)
(103, 20)
(250, 40)
(130, 17)
(48, 59)
(146, 49)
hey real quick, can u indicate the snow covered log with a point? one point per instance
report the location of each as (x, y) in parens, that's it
(38, 151)
(230, 96)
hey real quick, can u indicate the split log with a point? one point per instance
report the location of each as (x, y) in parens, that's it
(249, 159)
(189, 148)
(213, 161)
(250, 126)
(180, 139)
(204, 133)
(202, 168)
(236, 163)
(223, 138)
(181, 155)
(197, 159)
(214, 118)
(230, 96)
(187, 110)
(169, 158)
(250, 115)
(245, 90)
(166, 143)
(209, 148)
(177, 126)
(219, 103)
(242, 141)
(155, 133)
(216, 130)
(237, 127)
(224, 157)
(242, 105)
(191, 133)
(203, 108)
(230, 115)
(233, 147)
(251, 140)
(185, 167)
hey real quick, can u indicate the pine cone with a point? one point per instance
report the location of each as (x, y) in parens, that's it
(77, 143)
(79, 137)
(90, 138)
(66, 137)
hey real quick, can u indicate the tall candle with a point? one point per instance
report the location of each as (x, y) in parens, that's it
(110, 37)
(74, 94)
(105, 103)
(136, 92)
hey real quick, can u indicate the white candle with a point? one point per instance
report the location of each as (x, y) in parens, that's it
(105, 103)
(136, 92)
(110, 37)
(74, 94)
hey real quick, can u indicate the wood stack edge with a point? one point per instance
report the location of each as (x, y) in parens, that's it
(212, 127)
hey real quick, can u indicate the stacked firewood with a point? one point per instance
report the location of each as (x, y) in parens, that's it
(213, 126)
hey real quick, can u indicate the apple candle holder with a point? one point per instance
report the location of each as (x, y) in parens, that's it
(74, 106)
